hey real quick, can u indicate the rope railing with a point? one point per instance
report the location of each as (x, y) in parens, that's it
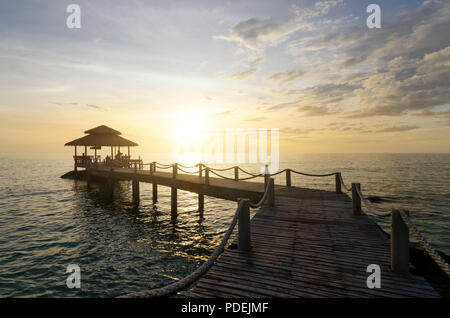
(398, 262)
(314, 175)
(369, 206)
(239, 179)
(269, 188)
(423, 241)
(343, 183)
(191, 278)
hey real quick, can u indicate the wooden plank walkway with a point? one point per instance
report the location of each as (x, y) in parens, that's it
(309, 246)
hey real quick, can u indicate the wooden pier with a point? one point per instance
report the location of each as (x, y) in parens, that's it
(301, 242)
(311, 243)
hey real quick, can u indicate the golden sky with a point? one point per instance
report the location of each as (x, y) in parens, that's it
(161, 71)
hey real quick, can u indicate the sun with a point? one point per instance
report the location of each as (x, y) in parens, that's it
(190, 126)
(189, 132)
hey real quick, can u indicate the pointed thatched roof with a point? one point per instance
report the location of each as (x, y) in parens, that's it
(102, 136)
(102, 130)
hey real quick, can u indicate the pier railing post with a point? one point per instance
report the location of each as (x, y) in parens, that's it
(356, 200)
(135, 190)
(338, 182)
(272, 192)
(266, 176)
(399, 243)
(200, 171)
(207, 176)
(173, 196)
(244, 241)
(155, 192)
(151, 168)
(174, 170)
(154, 166)
(236, 173)
(288, 178)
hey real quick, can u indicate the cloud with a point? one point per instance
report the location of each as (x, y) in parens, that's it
(319, 98)
(256, 33)
(311, 111)
(285, 77)
(396, 129)
(402, 68)
(225, 113)
(261, 118)
(97, 107)
(78, 104)
(244, 74)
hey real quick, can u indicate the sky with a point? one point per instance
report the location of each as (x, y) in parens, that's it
(161, 70)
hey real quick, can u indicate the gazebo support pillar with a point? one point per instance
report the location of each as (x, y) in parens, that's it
(75, 168)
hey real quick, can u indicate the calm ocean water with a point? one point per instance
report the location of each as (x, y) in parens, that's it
(47, 223)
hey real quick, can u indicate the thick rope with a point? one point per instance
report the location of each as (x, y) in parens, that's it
(188, 280)
(216, 169)
(422, 240)
(188, 167)
(263, 199)
(233, 179)
(274, 174)
(343, 184)
(313, 175)
(370, 207)
(188, 172)
(249, 173)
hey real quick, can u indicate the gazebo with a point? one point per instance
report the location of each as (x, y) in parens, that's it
(96, 138)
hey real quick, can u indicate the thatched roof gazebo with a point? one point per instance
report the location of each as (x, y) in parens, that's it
(101, 136)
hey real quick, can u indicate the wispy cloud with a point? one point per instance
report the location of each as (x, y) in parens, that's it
(243, 74)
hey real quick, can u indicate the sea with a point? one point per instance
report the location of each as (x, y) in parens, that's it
(48, 223)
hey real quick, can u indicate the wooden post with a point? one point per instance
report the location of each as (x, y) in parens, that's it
(207, 176)
(173, 209)
(110, 185)
(200, 172)
(155, 193)
(75, 167)
(338, 182)
(236, 173)
(399, 244)
(201, 204)
(173, 196)
(151, 168)
(135, 190)
(244, 241)
(288, 178)
(128, 151)
(174, 170)
(135, 187)
(88, 174)
(271, 193)
(266, 177)
(356, 200)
